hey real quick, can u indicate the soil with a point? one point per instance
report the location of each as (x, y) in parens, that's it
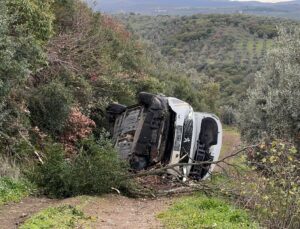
(14, 214)
(110, 211)
(122, 213)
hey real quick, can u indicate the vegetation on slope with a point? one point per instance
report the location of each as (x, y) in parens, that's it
(229, 49)
(272, 106)
(270, 116)
(61, 64)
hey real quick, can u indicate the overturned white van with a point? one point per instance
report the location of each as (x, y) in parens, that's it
(166, 130)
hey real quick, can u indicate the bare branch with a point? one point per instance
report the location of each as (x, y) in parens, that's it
(162, 170)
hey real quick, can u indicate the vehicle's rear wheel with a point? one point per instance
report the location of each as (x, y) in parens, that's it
(146, 98)
(113, 110)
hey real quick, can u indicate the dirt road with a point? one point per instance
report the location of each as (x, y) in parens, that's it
(110, 211)
(14, 214)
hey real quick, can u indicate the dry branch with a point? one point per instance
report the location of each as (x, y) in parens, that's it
(163, 170)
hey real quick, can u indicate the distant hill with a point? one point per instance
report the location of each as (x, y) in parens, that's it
(228, 48)
(187, 7)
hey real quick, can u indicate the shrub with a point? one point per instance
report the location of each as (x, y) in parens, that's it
(281, 192)
(32, 17)
(270, 188)
(95, 170)
(78, 127)
(50, 107)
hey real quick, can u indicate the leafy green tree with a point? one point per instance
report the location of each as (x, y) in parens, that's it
(272, 106)
(24, 25)
(31, 18)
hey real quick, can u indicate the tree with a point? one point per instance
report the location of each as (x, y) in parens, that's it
(272, 106)
(25, 25)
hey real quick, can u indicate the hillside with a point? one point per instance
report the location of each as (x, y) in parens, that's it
(229, 49)
(290, 9)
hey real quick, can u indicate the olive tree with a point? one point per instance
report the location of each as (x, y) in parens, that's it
(272, 107)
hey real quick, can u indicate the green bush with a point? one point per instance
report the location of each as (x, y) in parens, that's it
(278, 198)
(95, 170)
(270, 187)
(50, 106)
(32, 17)
(271, 108)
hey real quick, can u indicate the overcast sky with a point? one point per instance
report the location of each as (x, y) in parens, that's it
(272, 1)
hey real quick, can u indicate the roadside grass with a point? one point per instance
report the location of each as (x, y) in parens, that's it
(13, 190)
(62, 217)
(200, 211)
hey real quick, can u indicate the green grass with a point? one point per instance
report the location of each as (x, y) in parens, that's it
(199, 211)
(12, 190)
(63, 217)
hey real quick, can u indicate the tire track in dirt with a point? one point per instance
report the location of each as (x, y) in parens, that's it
(113, 211)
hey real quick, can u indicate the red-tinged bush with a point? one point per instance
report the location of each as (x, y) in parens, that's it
(114, 25)
(78, 127)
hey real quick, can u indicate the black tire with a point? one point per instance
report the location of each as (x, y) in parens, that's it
(113, 110)
(146, 98)
(116, 108)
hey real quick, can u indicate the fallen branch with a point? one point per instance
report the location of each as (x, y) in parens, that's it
(33, 148)
(162, 170)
